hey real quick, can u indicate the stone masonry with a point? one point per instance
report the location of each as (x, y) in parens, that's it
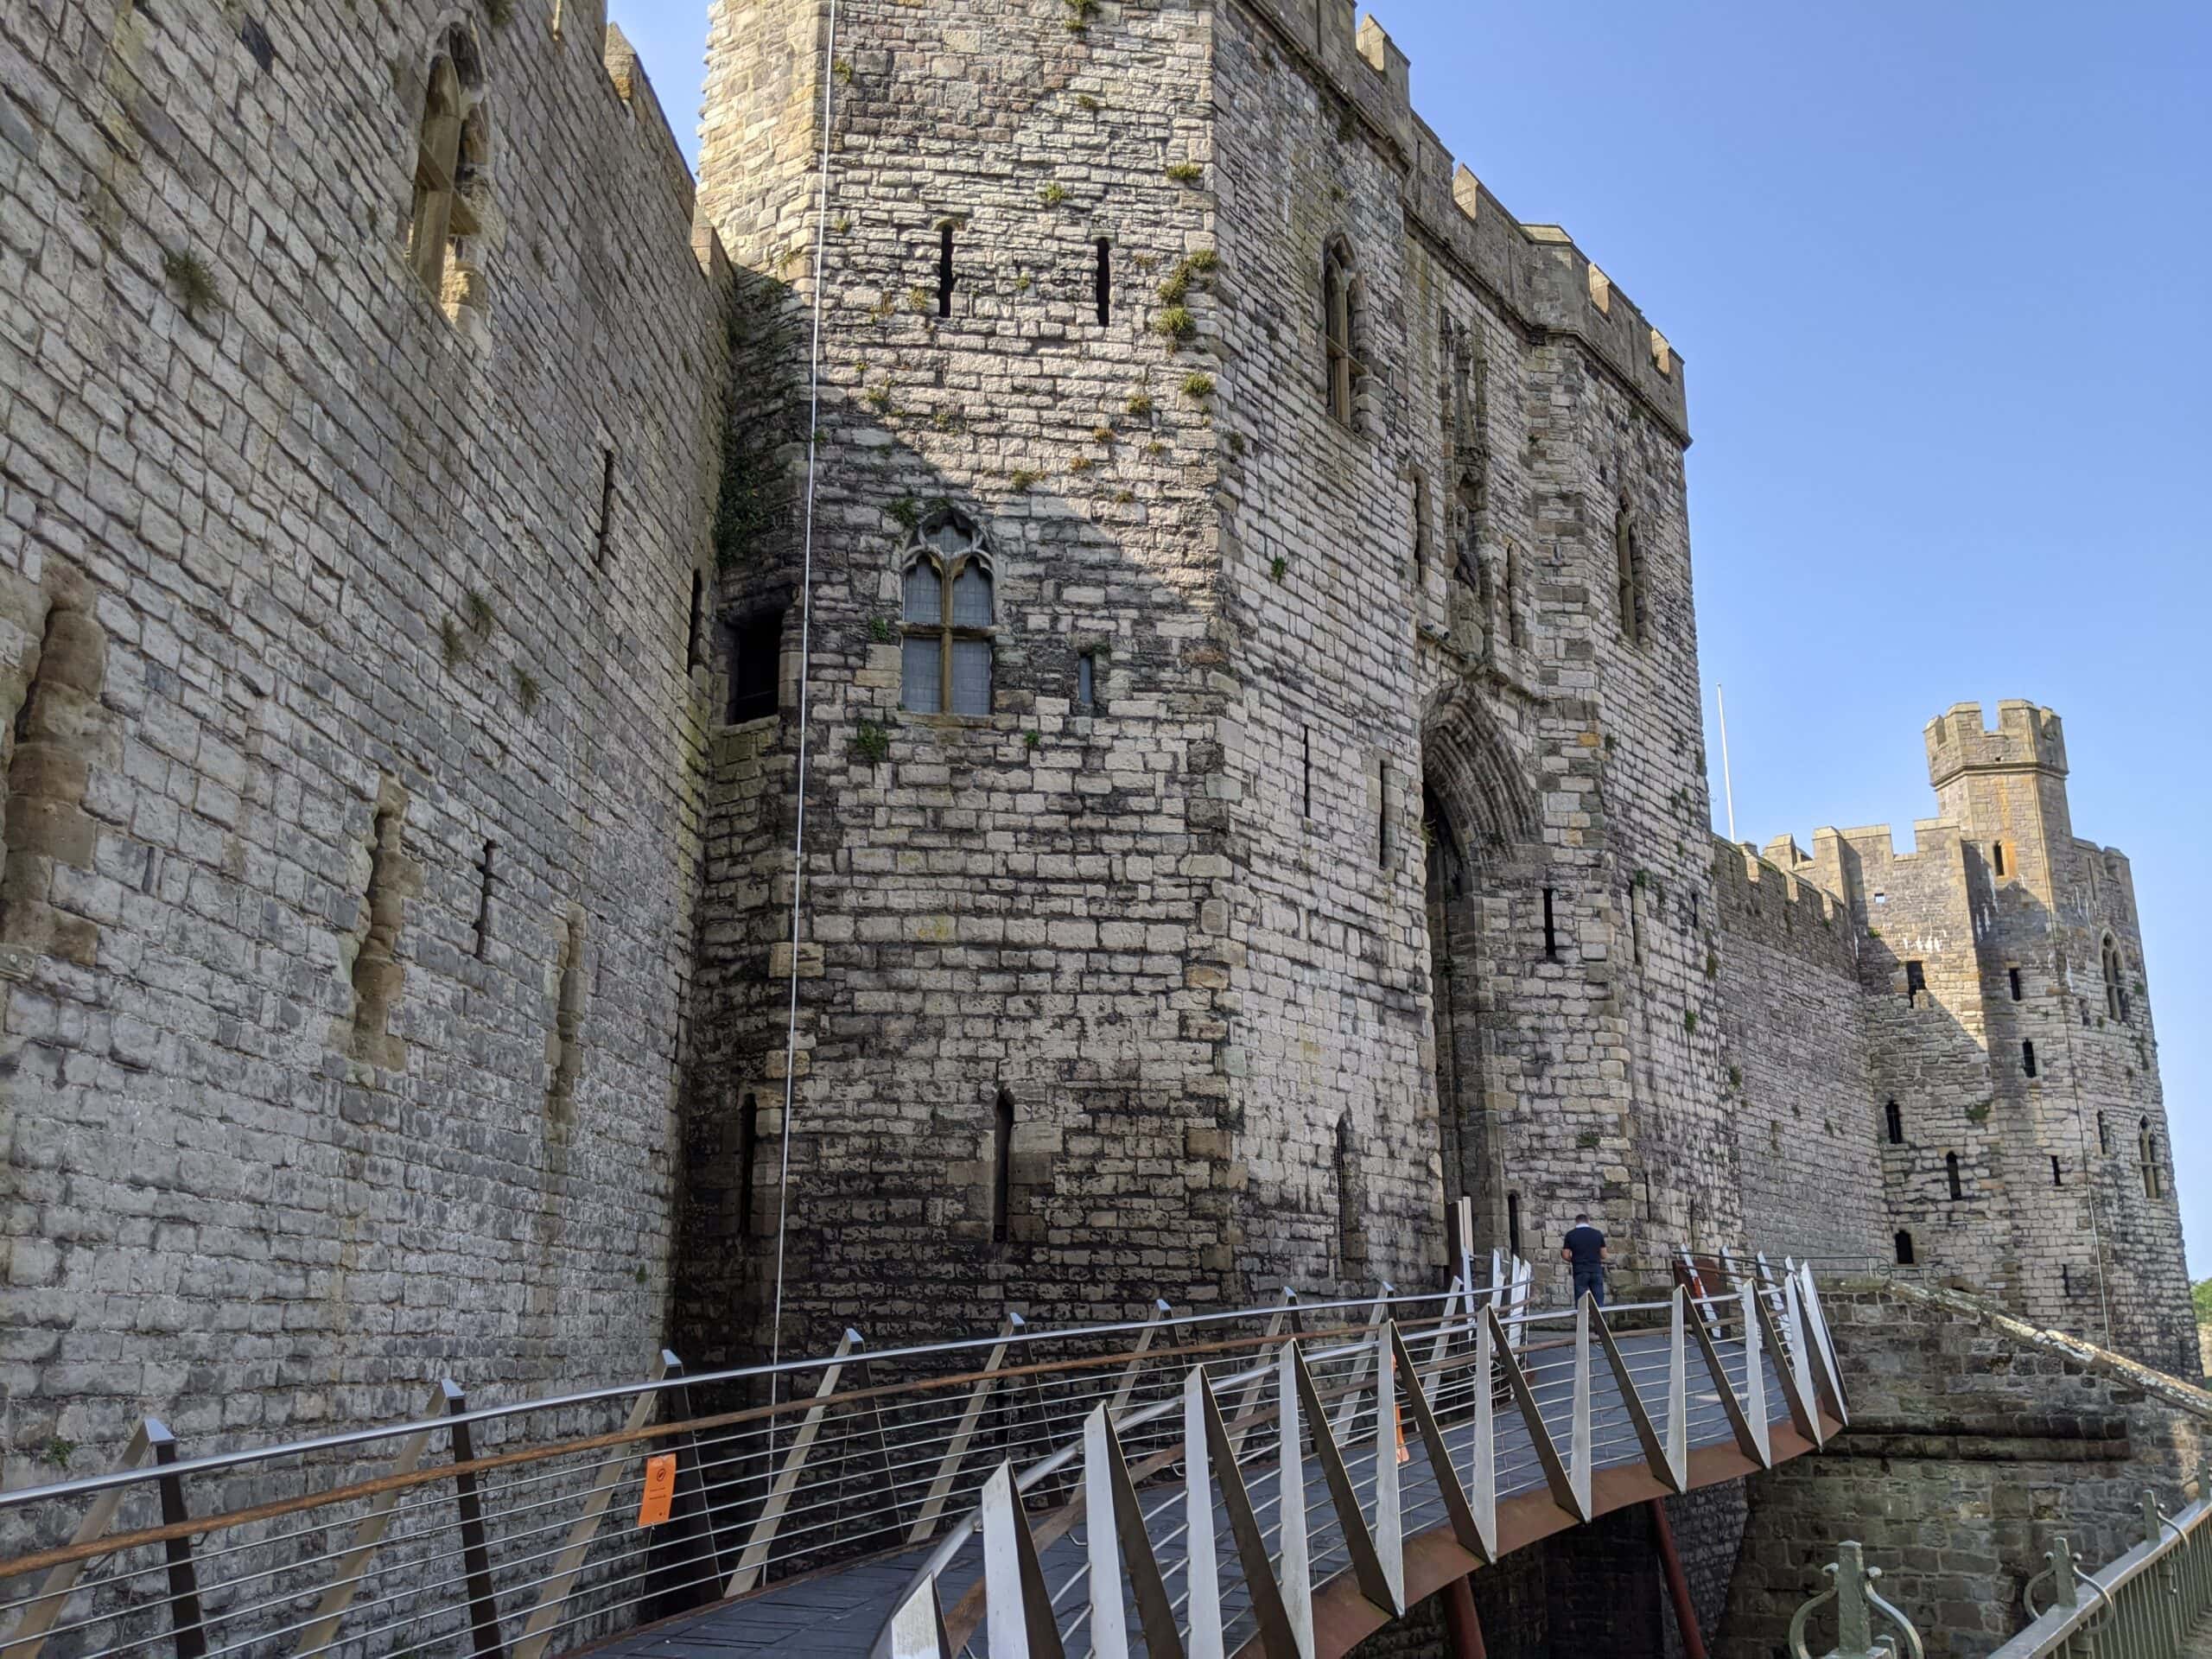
(1224, 581)
(331, 610)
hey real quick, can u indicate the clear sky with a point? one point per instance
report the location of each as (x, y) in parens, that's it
(1939, 268)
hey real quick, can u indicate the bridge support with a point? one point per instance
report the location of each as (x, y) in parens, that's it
(1678, 1583)
(1460, 1620)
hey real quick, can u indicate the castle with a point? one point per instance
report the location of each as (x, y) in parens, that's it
(1224, 581)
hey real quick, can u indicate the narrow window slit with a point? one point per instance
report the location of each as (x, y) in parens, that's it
(1105, 282)
(944, 271)
(1951, 1173)
(1894, 1119)
(1002, 1167)
(2028, 1059)
(1904, 1249)
(1551, 926)
(749, 1146)
(693, 655)
(484, 900)
(606, 533)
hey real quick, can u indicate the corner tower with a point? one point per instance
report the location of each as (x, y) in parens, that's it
(2026, 1148)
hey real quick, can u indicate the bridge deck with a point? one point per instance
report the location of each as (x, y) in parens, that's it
(837, 1613)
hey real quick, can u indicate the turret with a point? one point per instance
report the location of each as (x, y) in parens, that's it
(2027, 738)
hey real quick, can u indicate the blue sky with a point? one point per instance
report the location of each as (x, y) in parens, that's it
(1939, 271)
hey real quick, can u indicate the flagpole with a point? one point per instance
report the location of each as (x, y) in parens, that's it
(1727, 783)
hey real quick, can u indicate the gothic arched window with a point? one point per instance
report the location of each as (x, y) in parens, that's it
(2115, 992)
(1628, 576)
(950, 615)
(451, 152)
(1340, 333)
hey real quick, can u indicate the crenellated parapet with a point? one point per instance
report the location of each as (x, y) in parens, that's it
(2027, 737)
(1771, 896)
(1537, 271)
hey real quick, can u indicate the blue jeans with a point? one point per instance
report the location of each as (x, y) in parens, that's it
(1591, 1280)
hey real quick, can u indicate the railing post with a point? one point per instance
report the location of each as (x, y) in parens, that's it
(537, 1630)
(1121, 1389)
(184, 1582)
(53, 1594)
(1348, 1408)
(753, 1562)
(947, 1469)
(1251, 1397)
(354, 1563)
(1856, 1602)
(475, 1548)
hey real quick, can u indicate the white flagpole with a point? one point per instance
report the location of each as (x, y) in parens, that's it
(1727, 783)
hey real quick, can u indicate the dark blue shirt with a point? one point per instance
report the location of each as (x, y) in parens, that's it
(1586, 1244)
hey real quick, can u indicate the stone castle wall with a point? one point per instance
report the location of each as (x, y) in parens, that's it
(346, 923)
(1795, 1039)
(1974, 1441)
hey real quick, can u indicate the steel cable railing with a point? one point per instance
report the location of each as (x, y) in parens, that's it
(513, 1529)
(1757, 1348)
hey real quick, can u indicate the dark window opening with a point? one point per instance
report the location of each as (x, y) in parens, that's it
(1382, 815)
(1349, 1251)
(1105, 281)
(1513, 1222)
(1895, 1119)
(1951, 1173)
(2146, 1152)
(2104, 1134)
(694, 646)
(1309, 771)
(1916, 981)
(1340, 328)
(2057, 1179)
(1997, 855)
(2028, 1059)
(1002, 1168)
(2115, 992)
(2013, 976)
(605, 507)
(1904, 1249)
(748, 1144)
(944, 271)
(756, 648)
(484, 900)
(2065, 1279)
(1551, 926)
(1086, 682)
(1628, 577)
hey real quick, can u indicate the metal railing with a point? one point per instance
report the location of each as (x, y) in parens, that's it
(2142, 1606)
(516, 1530)
(1431, 1421)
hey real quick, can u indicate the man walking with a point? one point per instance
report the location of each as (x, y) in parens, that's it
(1583, 1250)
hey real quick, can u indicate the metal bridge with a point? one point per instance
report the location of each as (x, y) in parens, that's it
(1280, 1480)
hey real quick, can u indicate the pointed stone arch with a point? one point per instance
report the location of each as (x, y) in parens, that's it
(1484, 871)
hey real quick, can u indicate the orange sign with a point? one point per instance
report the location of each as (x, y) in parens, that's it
(660, 1489)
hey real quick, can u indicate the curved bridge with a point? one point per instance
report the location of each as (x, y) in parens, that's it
(1279, 1481)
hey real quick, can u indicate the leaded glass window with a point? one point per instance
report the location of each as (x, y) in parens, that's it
(948, 613)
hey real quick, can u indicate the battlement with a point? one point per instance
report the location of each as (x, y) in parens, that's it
(626, 74)
(2026, 738)
(1771, 897)
(1535, 268)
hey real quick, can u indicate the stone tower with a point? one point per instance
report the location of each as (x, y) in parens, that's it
(2012, 1054)
(1254, 789)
